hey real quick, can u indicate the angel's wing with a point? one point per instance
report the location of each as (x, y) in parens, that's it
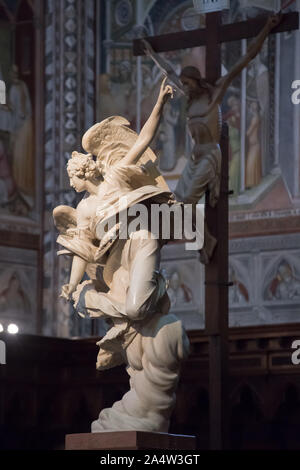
(111, 139)
(64, 218)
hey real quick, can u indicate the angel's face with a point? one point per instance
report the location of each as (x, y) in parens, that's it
(78, 184)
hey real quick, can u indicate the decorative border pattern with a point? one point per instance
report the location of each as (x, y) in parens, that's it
(69, 110)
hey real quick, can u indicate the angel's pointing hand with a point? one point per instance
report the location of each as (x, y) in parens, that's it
(166, 91)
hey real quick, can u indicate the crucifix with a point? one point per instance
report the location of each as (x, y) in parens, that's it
(216, 272)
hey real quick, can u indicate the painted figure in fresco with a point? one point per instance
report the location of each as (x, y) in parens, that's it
(7, 184)
(16, 156)
(122, 88)
(21, 134)
(168, 158)
(285, 286)
(108, 103)
(258, 87)
(13, 300)
(178, 292)
(202, 171)
(233, 118)
(117, 173)
(237, 293)
(5, 118)
(253, 161)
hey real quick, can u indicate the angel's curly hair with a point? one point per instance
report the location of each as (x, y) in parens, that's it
(83, 166)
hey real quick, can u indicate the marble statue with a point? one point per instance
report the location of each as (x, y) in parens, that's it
(120, 166)
(117, 173)
(202, 171)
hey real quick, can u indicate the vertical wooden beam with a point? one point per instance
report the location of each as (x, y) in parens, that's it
(213, 47)
(216, 310)
(216, 273)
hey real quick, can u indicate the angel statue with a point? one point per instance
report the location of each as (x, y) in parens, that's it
(202, 171)
(117, 173)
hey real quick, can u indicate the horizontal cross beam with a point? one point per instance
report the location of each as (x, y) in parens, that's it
(227, 32)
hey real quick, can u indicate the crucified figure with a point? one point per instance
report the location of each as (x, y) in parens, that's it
(203, 170)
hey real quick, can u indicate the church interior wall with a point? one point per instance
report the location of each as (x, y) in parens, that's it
(50, 380)
(287, 152)
(67, 91)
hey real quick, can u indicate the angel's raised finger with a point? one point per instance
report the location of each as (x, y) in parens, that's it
(164, 81)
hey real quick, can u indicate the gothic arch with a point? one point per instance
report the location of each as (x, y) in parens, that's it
(243, 386)
(271, 274)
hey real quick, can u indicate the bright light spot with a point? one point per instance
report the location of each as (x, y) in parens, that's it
(1, 328)
(13, 329)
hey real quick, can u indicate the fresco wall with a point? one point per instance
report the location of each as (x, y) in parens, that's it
(89, 73)
(69, 50)
(21, 196)
(263, 151)
(18, 281)
(17, 146)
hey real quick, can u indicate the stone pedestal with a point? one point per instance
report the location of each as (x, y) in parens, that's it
(129, 440)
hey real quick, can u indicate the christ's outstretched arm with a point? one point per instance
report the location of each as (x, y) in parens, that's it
(223, 83)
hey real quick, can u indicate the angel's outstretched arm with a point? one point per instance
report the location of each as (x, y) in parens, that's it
(149, 129)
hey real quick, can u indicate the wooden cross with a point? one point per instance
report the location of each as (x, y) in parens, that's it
(216, 273)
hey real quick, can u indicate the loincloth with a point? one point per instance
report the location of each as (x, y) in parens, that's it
(201, 173)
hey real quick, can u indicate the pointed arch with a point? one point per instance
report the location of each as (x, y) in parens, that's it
(243, 387)
(271, 280)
